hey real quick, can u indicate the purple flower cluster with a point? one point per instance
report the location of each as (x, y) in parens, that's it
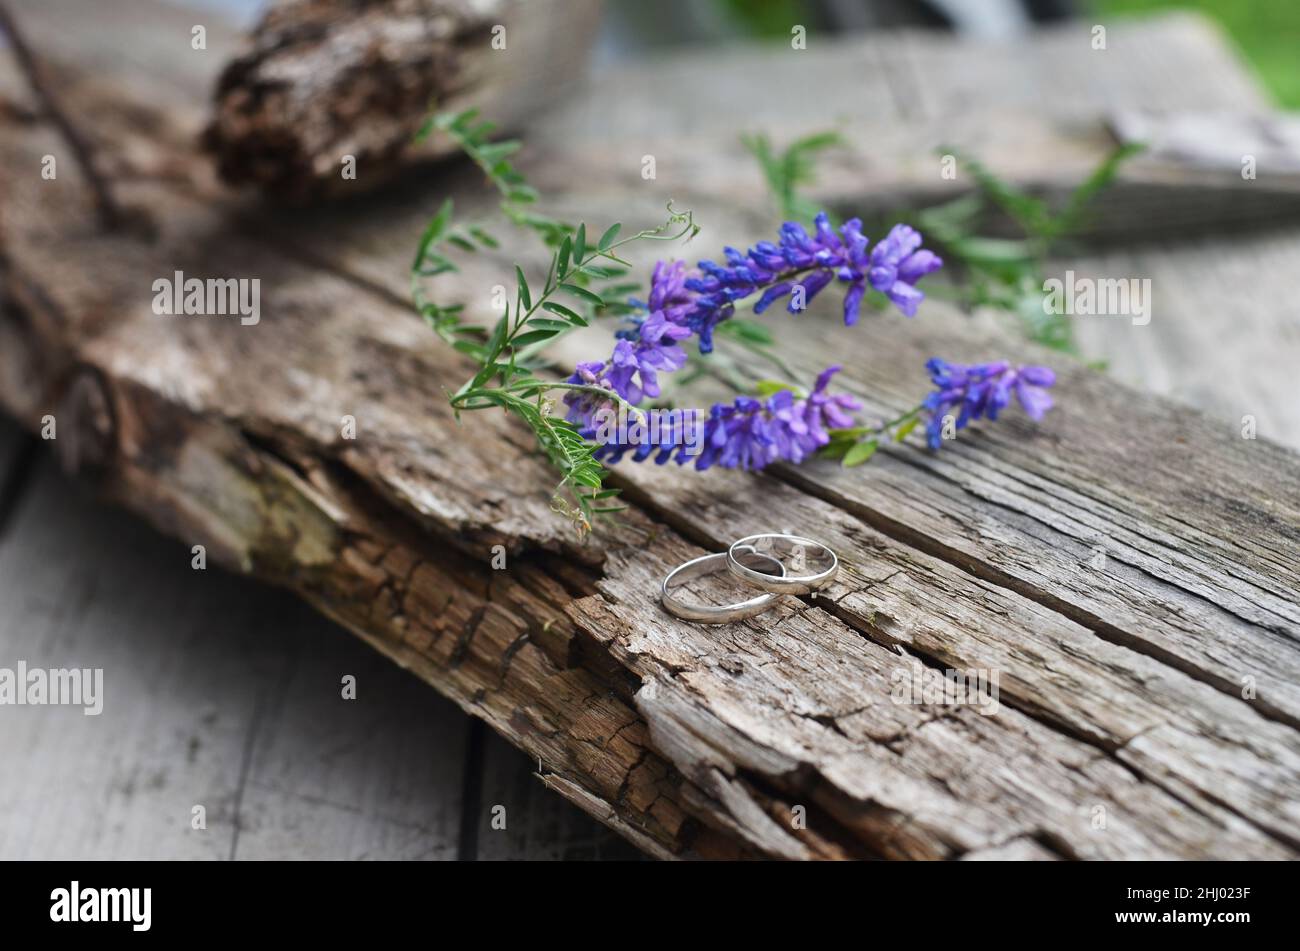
(982, 389)
(682, 304)
(811, 262)
(748, 433)
(642, 350)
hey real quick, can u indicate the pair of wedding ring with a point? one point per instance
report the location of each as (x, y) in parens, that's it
(743, 559)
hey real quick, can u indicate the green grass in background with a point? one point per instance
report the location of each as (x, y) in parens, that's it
(1267, 31)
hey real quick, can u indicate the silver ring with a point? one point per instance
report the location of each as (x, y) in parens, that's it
(784, 583)
(708, 613)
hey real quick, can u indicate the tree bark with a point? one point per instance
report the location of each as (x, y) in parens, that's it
(329, 84)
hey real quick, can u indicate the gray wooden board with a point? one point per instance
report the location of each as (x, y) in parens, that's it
(1224, 330)
(258, 734)
(217, 692)
(534, 823)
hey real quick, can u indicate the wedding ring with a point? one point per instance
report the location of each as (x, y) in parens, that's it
(707, 565)
(785, 583)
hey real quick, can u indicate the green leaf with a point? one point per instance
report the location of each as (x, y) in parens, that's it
(566, 251)
(484, 238)
(603, 271)
(459, 121)
(835, 449)
(524, 295)
(589, 296)
(580, 244)
(1029, 212)
(531, 337)
(544, 323)
(793, 168)
(748, 330)
(561, 311)
(860, 453)
(434, 230)
(494, 152)
(474, 349)
(498, 334)
(766, 388)
(1072, 216)
(608, 237)
(904, 430)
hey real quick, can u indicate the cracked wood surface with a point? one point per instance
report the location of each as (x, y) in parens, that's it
(1121, 693)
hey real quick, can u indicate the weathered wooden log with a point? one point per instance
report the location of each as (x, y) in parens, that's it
(330, 86)
(1128, 568)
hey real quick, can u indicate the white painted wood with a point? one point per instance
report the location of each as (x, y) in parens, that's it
(217, 692)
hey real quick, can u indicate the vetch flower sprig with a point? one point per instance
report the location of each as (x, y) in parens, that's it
(966, 393)
(801, 265)
(782, 423)
(777, 422)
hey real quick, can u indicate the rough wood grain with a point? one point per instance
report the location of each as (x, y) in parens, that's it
(1120, 684)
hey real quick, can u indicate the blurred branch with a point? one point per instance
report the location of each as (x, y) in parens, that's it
(106, 208)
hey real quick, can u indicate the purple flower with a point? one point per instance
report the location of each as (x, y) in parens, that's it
(668, 293)
(897, 263)
(803, 264)
(823, 407)
(746, 434)
(632, 371)
(982, 389)
(584, 405)
(682, 303)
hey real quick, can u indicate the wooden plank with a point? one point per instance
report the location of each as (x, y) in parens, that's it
(216, 693)
(1230, 297)
(236, 394)
(1114, 697)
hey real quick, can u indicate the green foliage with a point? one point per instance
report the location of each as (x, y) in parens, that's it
(857, 444)
(1008, 273)
(792, 169)
(567, 298)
